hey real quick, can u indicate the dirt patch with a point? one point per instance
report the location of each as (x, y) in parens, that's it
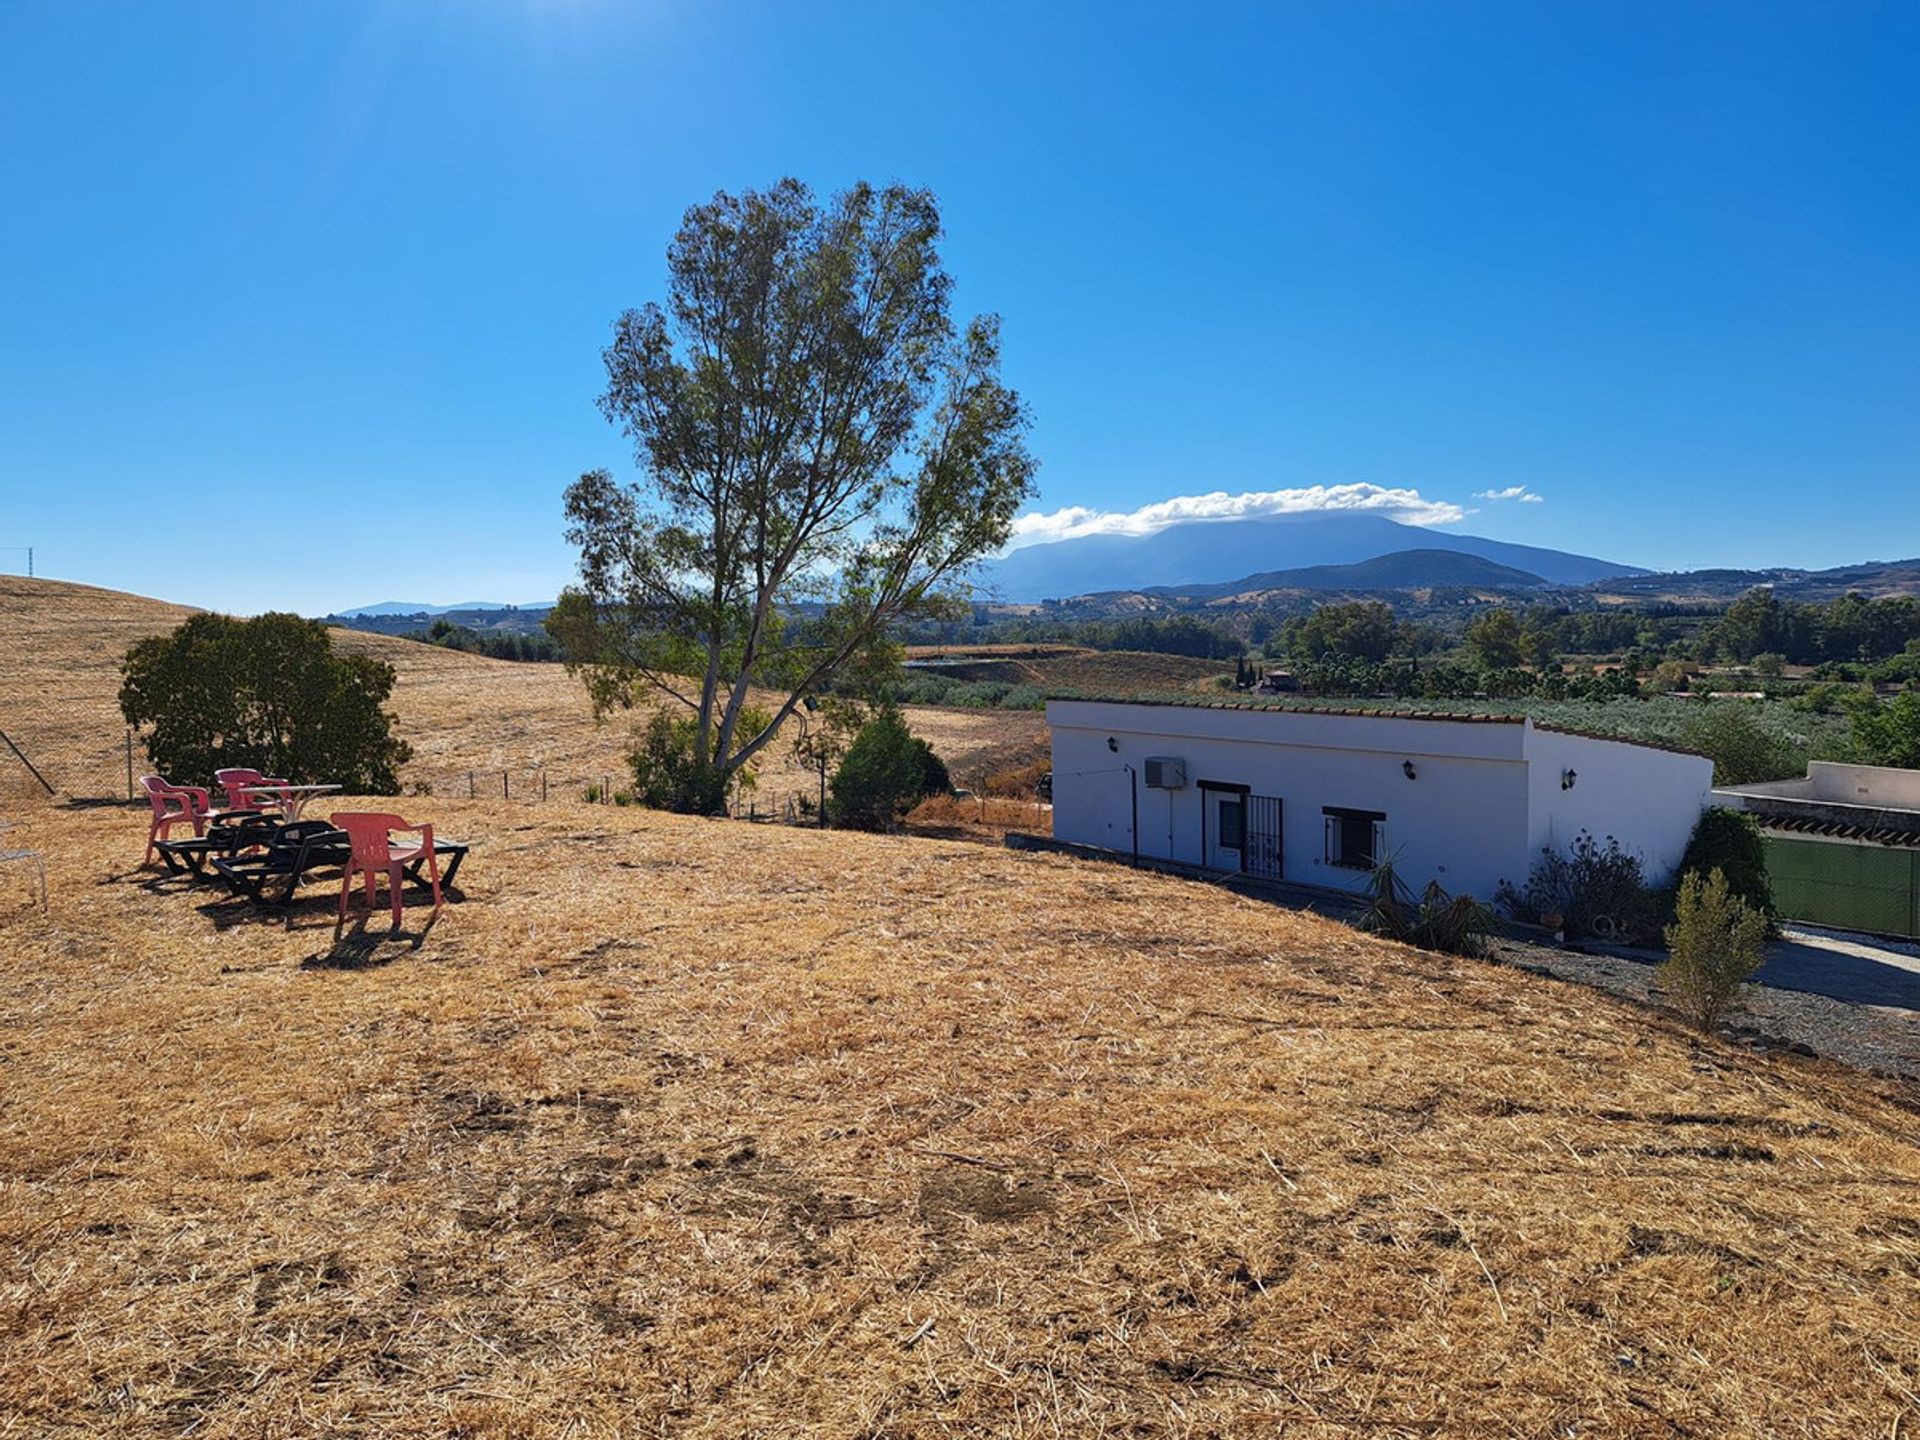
(953, 1198)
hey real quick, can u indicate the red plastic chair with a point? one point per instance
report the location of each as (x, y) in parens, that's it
(236, 782)
(374, 853)
(173, 805)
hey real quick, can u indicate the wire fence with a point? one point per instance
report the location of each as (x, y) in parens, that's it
(99, 766)
(38, 768)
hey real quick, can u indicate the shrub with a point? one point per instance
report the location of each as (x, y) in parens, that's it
(1728, 841)
(1594, 889)
(268, 694)
(1452, 924)
(666, 774)
(884, 774)
(1743, 748)
(1889, 734)
(1024, 697)
(1716, 941)
(977, 694)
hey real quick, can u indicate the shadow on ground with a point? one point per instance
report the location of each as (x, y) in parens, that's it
(1850, 968)
(368, 947)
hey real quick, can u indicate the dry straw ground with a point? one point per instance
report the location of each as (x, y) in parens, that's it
(461, 712)
(704, 1129)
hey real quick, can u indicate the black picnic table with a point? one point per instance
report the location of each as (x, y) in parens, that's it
(272, 877)
(229, 833)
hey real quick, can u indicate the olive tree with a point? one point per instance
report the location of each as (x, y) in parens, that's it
(822, 453)
(267, 693)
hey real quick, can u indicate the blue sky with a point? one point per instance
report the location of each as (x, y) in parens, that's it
(303, 302)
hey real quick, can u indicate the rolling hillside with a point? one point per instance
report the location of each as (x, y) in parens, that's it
(673, 1125)
(462, 713)
(714, 1130)
(1403, 570)
(1211, 552)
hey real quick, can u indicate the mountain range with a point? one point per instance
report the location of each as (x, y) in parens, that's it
(1208, 552)
(409, 607)
(1404, 570)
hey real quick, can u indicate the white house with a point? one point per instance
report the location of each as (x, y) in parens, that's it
(1316, 797)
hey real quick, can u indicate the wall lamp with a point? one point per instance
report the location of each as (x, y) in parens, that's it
(1113, 745)
(1406, 768)
(1567, 777)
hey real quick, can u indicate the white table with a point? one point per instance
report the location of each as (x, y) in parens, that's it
(291, 799)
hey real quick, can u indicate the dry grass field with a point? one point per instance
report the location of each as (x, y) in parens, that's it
(462, 713)
(696, 1128)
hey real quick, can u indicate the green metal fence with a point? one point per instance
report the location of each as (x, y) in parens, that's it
(1850, 887)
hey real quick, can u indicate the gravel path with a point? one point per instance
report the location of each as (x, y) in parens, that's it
(1882, 1039)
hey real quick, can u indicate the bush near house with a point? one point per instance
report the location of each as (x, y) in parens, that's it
(268, 694)
(1716, 941)
(1728, 841)
(1592, 889)
(884, 774)
(1433, 920)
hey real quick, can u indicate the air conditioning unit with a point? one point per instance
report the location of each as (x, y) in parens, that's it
(1165, 772)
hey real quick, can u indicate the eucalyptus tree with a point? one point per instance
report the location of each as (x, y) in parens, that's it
(822, 454)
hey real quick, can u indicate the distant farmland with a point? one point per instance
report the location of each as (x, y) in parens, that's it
(1067, 667)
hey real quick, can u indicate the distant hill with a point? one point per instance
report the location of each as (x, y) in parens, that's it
(1403, 570)
(1208, 552)
(395, 618)
(410, 607)
(1876, 579)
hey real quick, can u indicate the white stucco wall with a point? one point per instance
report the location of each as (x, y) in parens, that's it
(1647, 799)
(1485, 799)
(1462, 821)
(1880, 786)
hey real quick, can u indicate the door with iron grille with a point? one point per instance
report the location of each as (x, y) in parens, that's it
(1262, 855)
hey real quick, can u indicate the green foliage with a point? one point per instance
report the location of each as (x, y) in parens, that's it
(1592, 889)
(1451, 924)
(1851, 627)
(1728, 842)
(1173, 635)
(823, 453)
(1363, 630)
(886, 771)
(1889, 733)
(669, 773)
(268, 694)
(1743, 748)
(495, 644)
(1715, 943)
(1823, 698)
(922, 687)
(1493, 640)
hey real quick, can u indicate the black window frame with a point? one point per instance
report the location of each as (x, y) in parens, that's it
(1344, 816)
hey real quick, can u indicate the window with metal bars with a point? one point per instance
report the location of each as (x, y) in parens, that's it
(1355, 839)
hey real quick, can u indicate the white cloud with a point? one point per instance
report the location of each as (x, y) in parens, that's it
(1075, 520)
(1512, 492)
